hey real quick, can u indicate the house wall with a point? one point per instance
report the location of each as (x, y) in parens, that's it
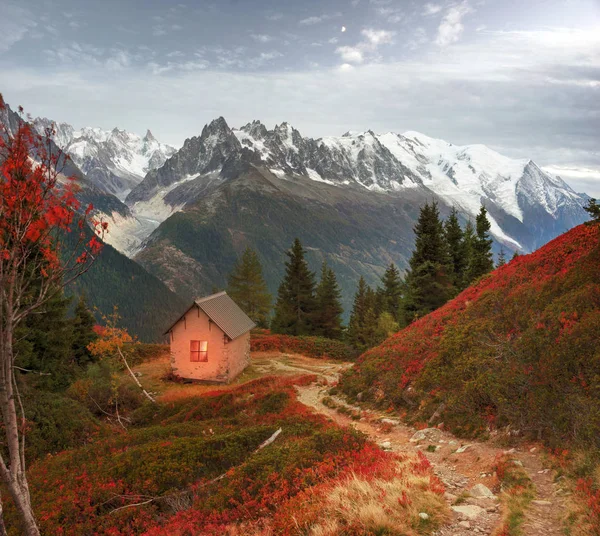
(225, 361)
(238, 354)
(198, 327)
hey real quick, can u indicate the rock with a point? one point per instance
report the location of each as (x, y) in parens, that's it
(541, 503)
(424, 516)
(482, 492)
(393, 422)
(386, 445)
(518, 463)
(450, 497)
(470, 511)
(452, 442)
(511, 451)
(532, 450)
(462, 449)
(491, 509)
(428, 434)
(464, 524)
(359, 397)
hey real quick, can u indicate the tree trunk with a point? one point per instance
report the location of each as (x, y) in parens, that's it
(13, 473)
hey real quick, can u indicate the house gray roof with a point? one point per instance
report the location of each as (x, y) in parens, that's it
(225, 313)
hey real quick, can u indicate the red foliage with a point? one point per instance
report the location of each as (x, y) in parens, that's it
(591, 497)
(531, 322)
(318, 347)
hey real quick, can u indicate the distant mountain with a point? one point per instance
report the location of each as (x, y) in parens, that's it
(145, 304)
(528, 207)
(115, 161)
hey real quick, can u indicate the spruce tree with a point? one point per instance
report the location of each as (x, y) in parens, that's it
(43, 344)
(428, 282)
(362, 325)
(467, 247)
(295, 306)
(83, 333)
(455, 240)
(501, 258)
(390, 294)
(328, 316)
(593, 209)
(482, 261)
(247, 287)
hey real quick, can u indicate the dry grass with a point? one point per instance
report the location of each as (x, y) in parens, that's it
(382, 506)
(263, 364)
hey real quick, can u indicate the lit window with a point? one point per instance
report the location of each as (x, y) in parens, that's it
(198, 351)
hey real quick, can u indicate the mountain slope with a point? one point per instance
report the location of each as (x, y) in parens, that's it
(522, 340)
(356, 231)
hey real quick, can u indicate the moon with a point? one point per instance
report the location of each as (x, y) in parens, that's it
(343, 28)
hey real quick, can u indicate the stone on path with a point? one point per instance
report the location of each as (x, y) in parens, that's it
(482, 492)
(462, 449)
(470, 511)
(428, 434)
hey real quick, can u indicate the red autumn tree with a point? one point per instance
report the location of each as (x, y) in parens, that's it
(37, 208)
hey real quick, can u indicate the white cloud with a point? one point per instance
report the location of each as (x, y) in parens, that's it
(15, 22)
(392, 14)
(378, 37)
(261, 38)
(309, 21)
(451, 27)
(350, 54)
(372, 40)
(432, 9)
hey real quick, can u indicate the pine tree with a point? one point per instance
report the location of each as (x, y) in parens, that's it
(501, 258)
(391, 293)
(83, 333)
(467, 248)
(43, 344)
(482, 261)
(362, 325)
(593, 209)
(247, 287)
(515, 255)
(328, 316)
(295, 306)
(428, 282)
(455, 240)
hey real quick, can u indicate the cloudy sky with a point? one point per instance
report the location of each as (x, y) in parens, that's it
(522, 76)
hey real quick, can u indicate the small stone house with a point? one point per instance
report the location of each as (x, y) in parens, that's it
(211, 340)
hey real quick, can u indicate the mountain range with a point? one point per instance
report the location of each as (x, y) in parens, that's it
(185, 215)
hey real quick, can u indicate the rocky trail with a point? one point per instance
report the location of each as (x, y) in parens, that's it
(466, 468)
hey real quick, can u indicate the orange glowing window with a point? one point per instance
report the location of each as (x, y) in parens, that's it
(198, 351)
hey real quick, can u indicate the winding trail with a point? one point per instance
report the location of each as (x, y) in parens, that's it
(460, 465)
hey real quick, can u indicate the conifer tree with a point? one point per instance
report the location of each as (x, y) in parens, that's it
(456, 248)
(428, 282)
(391, 293)
(593, 209)
(362, 325)
(247, 287)
(482, 260)
(83, 333)
(328, 316)
(501, 258)
(515, 255)
(295, 306)
(467, 247)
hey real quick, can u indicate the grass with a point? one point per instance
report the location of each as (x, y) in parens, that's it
(389, 507)
(518, 492)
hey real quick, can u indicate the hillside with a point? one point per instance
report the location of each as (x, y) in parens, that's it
(357, 232)
(518, 348)
(146, 306)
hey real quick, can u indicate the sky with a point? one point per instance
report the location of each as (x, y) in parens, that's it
(521, 76)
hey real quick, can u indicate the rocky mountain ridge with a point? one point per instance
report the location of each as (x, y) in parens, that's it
(114, 160)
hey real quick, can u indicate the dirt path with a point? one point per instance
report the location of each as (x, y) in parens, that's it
(460, 465)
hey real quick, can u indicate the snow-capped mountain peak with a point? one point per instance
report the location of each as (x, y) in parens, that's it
(114, 160)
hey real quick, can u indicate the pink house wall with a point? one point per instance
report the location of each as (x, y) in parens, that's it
(225, 359)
